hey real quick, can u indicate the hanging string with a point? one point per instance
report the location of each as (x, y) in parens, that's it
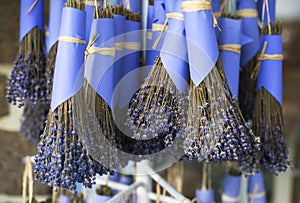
(266, 8)
(27, 181)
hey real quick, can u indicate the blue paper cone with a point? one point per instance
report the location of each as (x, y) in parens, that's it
(231, 189)
(205, 196)
(256, 189)
(101, 198)
(64, 199)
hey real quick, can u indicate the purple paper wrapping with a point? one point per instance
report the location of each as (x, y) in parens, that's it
(256, 189)
(174, 55)
(159, 18)
(89, 18)
(68, 74)
(135, 6)
(216, 6)
(56, 8)
(230, 34)
(64, 199)
(99, 68)
(132, 61)
(249, 28)
(231, 189)
(101, 198)
(151, 54)
(271, 6)
(201, 43)
(32, 19)
(205, 196)
(270, 72)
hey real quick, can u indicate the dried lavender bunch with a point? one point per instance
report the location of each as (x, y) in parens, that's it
(61, 160)
(33, 121)
(268, 123)
(156, 108)
(27, 79)
(216, 130)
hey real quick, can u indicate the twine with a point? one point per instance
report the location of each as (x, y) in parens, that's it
(247, 13)
(157, 27)
(98, 50)
(193, 6)
(135, 46)
(149, 35)
(266, 7)
(71, 39)
(236, 48)
(256, 195)
(174, 15)
(32, 7)
(93, 3)
(262, 57)
(27, 181)
(230, 199)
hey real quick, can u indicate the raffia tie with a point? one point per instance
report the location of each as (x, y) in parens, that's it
(230, 199)
(32, 7)
(255, 194)
(193, 6)
(164, 27)
(247, 13)
(27, 181)
(262, 57)
(71, 39)
(149, 35)
(236, 48)
(93, 3)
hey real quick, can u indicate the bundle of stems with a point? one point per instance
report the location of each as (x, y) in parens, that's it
(268, 122)
(27, 83)
(50, 65)
(216, 129)
(156, 109)
(61, 159)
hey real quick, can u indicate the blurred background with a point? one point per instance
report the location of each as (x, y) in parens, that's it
(284, 188)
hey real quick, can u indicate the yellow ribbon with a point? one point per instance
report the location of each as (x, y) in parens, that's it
(262, 57)
(236, 48)
(71, 39)
(247, 13)
(193, 6)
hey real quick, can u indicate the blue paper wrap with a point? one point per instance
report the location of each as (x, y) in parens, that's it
(89, 18)
(132, 61)
(205, 196)
(230, 34)
(135, 6)
(216, 6)
(270, 72)
(101, 198)
(68, 74)
(174, 55)
(231, 189)
(159, 18)
(151, 54)
(56, 8)
(64, 199)
(256, 189)
(271, 6)
(249, 28)
(201, 43)
(99, 68)
(35, 18)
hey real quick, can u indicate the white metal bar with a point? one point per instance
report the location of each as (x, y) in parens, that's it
(165, 199)
(112, 184)
(120, 196)
(157, 178)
